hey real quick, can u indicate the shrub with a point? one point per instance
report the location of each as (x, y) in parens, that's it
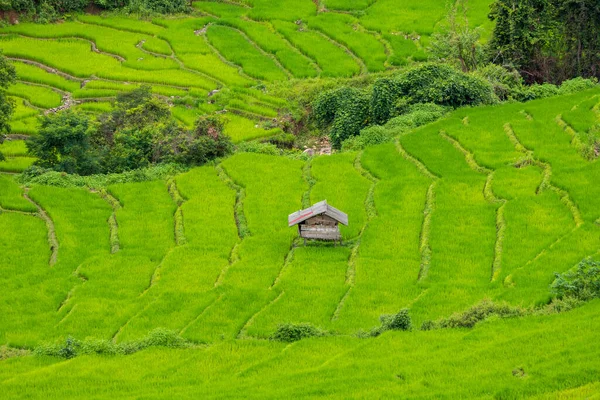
(386, 94)
(293, 332)
(283, 140)
(345, 111)
(258, 147)
(582, 284)
(536, 91)
(370, 136)
(400, 321)
(397, 322)
(72, 347)
(507, 83)
(577, 85)
(444, 85)
(417, 115)
(478, 313)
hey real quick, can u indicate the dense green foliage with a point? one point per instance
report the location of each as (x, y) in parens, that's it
(7, 78)
(44, 11)
(345, 111)
(547, 40)
(460, 217)
(137, 133)
(583, 283)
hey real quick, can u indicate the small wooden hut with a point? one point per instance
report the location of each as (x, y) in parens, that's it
(319, 222)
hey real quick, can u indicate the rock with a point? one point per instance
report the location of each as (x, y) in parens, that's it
(309, 152)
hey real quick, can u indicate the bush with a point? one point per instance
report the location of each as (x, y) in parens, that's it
(384, 100)
(151, 7)
(417, 115)
(507, 83)
(258, 147)
(397, 322)
(536, 91)
(290, 333)
(72, 347)
(344, 111)
(371, 136)
(478, 313)
(442, 84)
(582, 284)
(390, 322)
(577, 85)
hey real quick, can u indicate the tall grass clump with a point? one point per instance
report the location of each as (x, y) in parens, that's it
(290, 333)
(72, 347)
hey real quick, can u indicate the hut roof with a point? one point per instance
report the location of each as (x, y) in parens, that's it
(318, 209)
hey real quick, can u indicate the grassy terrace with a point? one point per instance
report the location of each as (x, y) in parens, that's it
(486, 203)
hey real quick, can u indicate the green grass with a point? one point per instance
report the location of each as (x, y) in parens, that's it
(333, 60)
(267, 38)
(13, 148)
(420, 365)
(34, 74)
(38, 96)
(16, 164)
(487, 203)
(241, 129)
(236, 48)
(25, 126)
(11, 196)
(344, 29)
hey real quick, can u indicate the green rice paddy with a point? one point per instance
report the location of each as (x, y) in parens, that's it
(486, 204)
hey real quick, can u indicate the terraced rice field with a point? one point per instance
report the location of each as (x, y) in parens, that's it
(512, 228)
(487, 203)
(230, 46)
(439, 220)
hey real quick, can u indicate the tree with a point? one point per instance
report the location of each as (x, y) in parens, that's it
(63, 144)
(456, 42)
(547, 40)
(7, 78)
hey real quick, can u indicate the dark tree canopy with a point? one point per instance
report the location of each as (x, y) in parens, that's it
(7, 78)
(547, 40)
(137, 133)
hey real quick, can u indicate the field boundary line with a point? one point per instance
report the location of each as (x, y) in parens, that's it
(418, 163)
(490, 197)
(546, 183)
(424, 236)
(52, 240)
(93, 45)
(361, 64)
(122, 327)
(569, 130)
(287, 72)
(181, 64)
(47, 68)
(43, 85)
(233, 258)
(242, 332)
(313, 61)
(428, 210)
(66, 315)
(113, 224)
(179, 228)
(25, 213)
(379, 37)
(371, 212)
(240, 217)
(222, 58)
(155, 274)
(469, 157)
(215, 300)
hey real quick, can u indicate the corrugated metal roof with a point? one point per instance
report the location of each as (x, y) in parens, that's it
(318, 209)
